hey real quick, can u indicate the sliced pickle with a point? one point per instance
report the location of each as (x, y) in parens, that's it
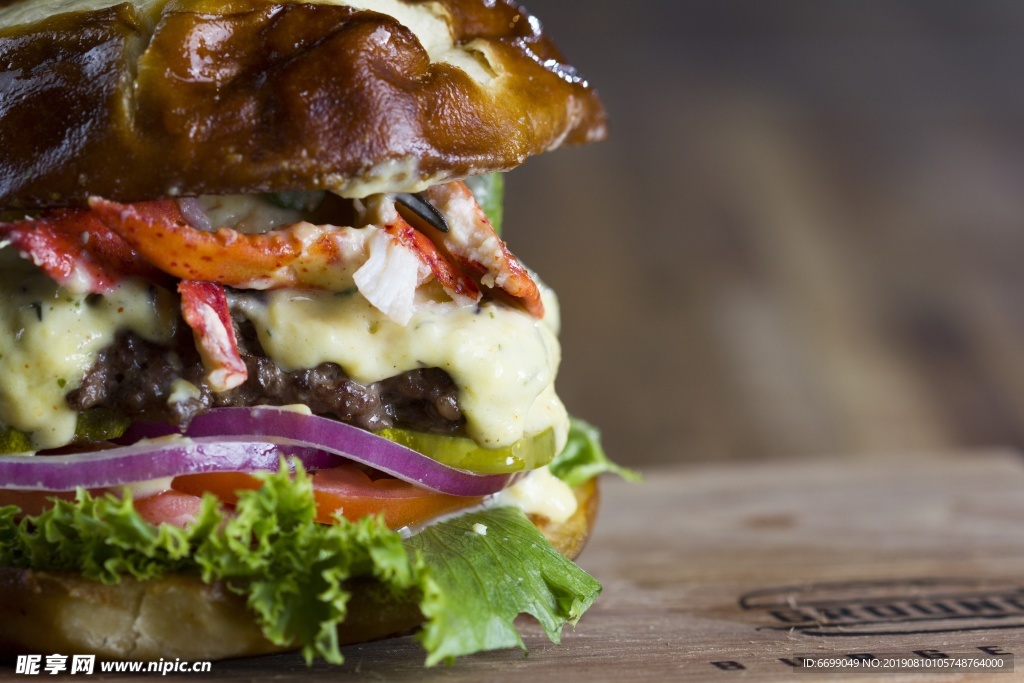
(14, 441)
(95, 424)
(465, 454)
(100, 424)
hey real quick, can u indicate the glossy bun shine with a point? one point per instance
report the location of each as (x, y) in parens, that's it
(160, 98)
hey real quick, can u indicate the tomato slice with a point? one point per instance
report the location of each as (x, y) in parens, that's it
(170, 507)
(224, 485)
(33, 502)
(349, 491)
(173, 507)
(345, 489)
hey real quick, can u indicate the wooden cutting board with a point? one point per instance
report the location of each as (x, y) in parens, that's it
(722, 573)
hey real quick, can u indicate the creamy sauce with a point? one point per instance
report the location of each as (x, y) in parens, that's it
(541, 493)
(49, 338)
(143, 489)
(182, 390)
(503, 360)
(246, 213)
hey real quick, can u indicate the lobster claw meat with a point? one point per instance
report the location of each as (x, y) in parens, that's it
(473, 244)
(204, 306)
(78, 251)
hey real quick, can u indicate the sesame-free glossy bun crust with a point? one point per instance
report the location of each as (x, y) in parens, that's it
(180, 616)
(157, 98)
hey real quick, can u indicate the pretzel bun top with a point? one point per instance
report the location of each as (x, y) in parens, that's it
(161, 98)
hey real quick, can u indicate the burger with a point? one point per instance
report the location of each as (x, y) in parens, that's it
(270, 379)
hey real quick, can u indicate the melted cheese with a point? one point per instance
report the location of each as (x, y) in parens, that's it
(49, 338)
(246, 213)
(502, 360)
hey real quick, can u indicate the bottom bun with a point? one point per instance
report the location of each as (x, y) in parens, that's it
(180, 616)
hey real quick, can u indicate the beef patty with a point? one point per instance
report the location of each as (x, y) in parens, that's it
(136, 377)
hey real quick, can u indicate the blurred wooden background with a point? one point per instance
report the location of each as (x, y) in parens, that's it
(805, 235)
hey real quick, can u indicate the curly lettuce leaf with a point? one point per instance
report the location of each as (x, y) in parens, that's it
(583, 458)
(101, 538)
(291, 570)
(294, 572)
(487, 568)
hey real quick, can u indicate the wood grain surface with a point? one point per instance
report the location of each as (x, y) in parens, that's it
(751, 565)
(804, 233)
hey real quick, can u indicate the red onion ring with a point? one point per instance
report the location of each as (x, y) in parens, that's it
(241, 440)
(193, 212)
(148, 460)
(284, 425)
